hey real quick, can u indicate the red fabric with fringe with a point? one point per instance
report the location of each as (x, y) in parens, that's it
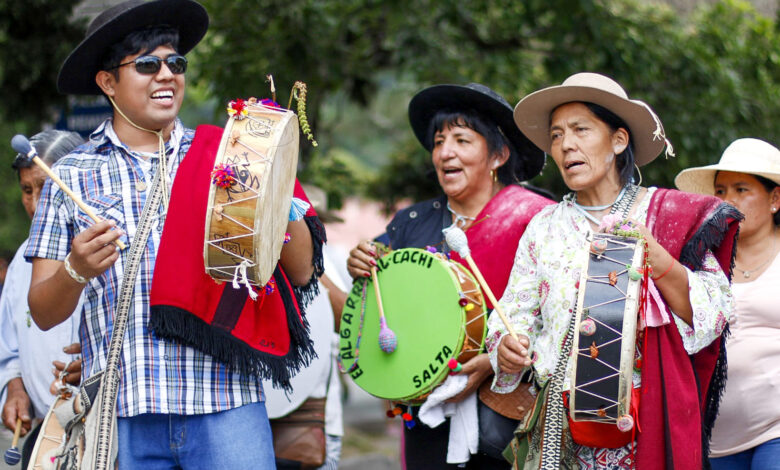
(678, 394)
(266, 337)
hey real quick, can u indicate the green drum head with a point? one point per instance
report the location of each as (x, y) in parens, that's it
(420, 295)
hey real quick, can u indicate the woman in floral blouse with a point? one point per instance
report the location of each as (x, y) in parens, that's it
(596, 135)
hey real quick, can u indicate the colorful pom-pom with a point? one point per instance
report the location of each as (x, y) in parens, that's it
(287, 238)
(409, 424)
(463, 301)
(387, 340)
(633, 273)
(270, 103)
(390, 414)
(237, 108)
(625, 423)
(598, 246)
(452, 363)
(223, 175)
(397, 411)
(587, 327)
(469, 307)
(270, 287)
(406, 417)
(431, 249)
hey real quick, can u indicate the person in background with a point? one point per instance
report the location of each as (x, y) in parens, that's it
(26, 352)
(746, 435)
(317, 386)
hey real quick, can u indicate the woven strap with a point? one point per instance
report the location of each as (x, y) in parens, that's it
(555, 412)
(110, 386)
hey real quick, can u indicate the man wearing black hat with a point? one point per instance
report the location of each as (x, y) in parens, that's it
(177, 407)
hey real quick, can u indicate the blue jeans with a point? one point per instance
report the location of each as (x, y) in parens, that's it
(765, 456)
(234, 439)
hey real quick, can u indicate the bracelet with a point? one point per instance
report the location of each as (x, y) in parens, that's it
(72, 272)
(665, 272)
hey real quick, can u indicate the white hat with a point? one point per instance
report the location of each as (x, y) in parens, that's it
(752, 156)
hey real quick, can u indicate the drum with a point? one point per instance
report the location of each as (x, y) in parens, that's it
(436, 310)
(605, 335)
(247, 217)
(50, 438)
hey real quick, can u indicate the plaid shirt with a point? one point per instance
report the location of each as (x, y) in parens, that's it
(157, 376)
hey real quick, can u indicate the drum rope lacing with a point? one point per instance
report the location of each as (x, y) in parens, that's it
(239, 272)
(586, 351)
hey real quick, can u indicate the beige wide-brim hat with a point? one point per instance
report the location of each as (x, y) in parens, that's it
(532, 113)
(752, 156)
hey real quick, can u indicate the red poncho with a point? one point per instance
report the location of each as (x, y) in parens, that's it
(267, 337)
(680, 393)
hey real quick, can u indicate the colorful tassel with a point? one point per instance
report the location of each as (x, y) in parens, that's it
(298, 209)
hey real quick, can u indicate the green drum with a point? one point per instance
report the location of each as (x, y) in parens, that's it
(437, 312)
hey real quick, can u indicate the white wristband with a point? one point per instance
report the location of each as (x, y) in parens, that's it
(72, 272)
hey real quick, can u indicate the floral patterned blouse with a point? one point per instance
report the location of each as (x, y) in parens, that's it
(541, 293)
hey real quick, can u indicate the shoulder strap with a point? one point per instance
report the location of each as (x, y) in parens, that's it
(110, 386)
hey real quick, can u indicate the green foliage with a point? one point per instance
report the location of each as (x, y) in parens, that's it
(35, 38)
(712, 77)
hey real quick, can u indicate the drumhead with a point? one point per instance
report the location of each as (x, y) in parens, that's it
(420, 294)
(246, 221)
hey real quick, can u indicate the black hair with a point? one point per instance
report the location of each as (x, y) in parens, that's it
(142, 42)
(51, 145)
(625, 159)
(484, 126)
(770, 186)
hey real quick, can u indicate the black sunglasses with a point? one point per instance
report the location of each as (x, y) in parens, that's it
(150, 64)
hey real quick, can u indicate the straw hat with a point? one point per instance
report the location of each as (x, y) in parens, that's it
(319, 200)
(752, 156)
(77, 75)
(532, 113)
(426, 103)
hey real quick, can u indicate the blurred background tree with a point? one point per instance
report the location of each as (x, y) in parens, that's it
(35, 37)
(712, 75)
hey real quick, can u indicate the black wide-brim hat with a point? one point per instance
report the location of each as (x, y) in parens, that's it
(474, 96)
(77, 75)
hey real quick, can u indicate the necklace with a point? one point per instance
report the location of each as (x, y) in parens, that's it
(748, 272)
(460, 219)
(622, 204)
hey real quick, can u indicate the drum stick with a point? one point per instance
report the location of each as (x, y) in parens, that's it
(490, 295)
(12, 456)
(387, 338)
(457, 240)
(23, 146)
(378, 294)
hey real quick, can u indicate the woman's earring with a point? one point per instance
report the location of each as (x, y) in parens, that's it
(494, 175)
